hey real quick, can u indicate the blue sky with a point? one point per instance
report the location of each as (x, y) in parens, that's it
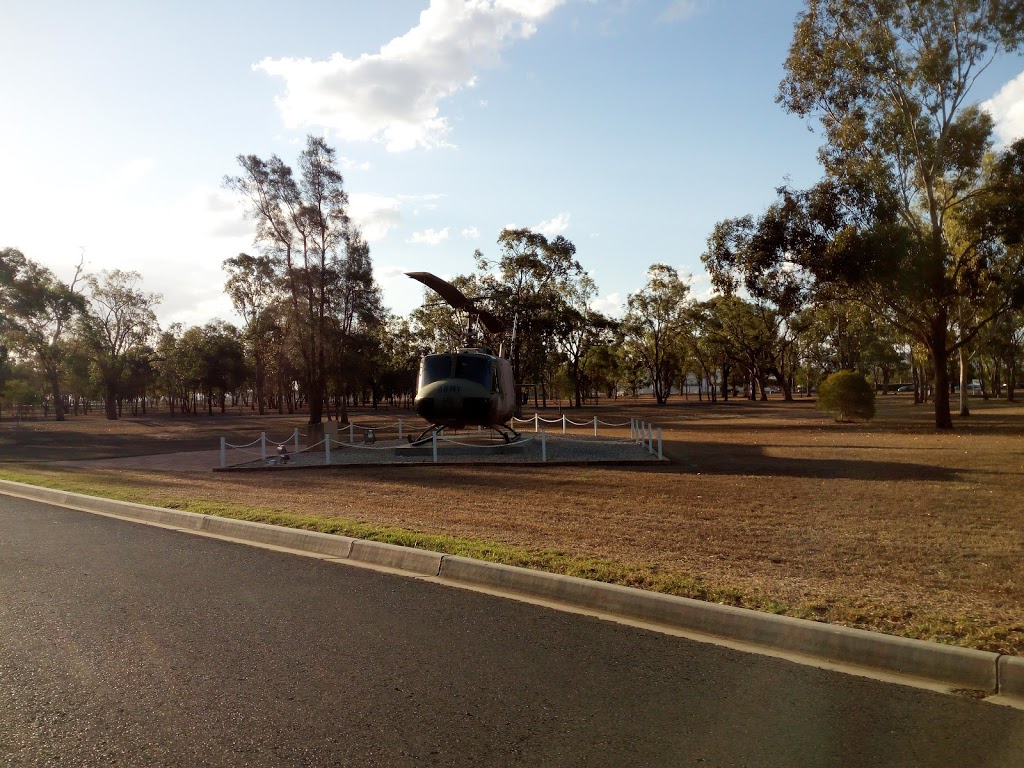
(628, 126)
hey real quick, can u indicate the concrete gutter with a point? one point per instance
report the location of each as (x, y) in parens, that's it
(932, 663)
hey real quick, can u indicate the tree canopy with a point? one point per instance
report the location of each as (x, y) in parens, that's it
(912, 215)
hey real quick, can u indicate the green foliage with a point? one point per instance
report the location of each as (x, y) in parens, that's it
(35, 309)
(848, 395)
(115, 327)
(911, 216)
(538, 285)
(656, 327)
(313, 257)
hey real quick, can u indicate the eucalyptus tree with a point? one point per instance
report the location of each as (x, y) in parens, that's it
(709, 349)
(904, 156)
(399, 353)
(578, 330)
(119, 319)
(36, 308)
(174, 376)
(751, 256)
(320, 258)
(526, 284)
(253, 288)
(603, 365)
(748, 336)
(656, 327)
(215, 361)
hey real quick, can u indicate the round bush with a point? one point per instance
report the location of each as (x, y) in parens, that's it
(848, 395)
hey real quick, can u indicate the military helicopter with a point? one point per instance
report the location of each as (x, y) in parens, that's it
(471, 386)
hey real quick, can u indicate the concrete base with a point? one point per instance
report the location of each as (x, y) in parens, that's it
(472, 445)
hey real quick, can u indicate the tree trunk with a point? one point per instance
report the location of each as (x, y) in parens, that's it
(940, 361)
(316, 409)
(965, 409)
(58, 401)
(110, 403)
(261, 381)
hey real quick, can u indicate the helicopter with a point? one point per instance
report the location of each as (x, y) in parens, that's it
(471, 386)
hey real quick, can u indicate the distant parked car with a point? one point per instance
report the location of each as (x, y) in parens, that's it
(772, 390)
(906, 388)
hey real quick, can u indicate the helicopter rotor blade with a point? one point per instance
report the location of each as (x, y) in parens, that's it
(458, 299)
(444, 289)
(491, 323)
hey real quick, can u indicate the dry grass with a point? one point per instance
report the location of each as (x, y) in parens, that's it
(887, 525)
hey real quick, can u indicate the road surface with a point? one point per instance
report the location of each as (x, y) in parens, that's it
(124, 644)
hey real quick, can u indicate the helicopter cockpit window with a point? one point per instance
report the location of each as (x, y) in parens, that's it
(476, 369)
(434, 368)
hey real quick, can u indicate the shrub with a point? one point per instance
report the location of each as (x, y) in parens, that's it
(848, 395)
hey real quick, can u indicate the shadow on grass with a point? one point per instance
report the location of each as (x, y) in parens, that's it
(716, 459)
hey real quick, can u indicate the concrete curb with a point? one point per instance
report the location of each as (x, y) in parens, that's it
(1011, 676)
(934, 662)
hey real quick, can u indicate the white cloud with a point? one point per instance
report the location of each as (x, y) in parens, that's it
(389, 273)
(429, 236)
(470, 233)
(681, 10)
(394, 96)
(130, 173)
(611, 305)
(375, 215)
(700, 286)
(555, 226)
(348, 164)
(1007, 109)
(421, 203)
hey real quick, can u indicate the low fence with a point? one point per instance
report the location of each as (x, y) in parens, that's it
(641, 433)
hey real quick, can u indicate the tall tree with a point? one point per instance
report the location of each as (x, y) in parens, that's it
(578, 330)
(35, 310)
(118, 320)
(253, 289)
(302, 225)
(655, 327)
(526, 284)
(904, 153)
(754, 256)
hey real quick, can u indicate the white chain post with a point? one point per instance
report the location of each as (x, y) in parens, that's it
(595, 426)
(263, 445)
(327, 450)
(223, 453)
(295, 439)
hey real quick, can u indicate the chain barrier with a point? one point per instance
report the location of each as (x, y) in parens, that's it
(641, 433)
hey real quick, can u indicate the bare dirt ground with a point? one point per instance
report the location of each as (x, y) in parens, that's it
(887, 525)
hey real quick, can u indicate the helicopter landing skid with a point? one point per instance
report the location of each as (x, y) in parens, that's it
(508, 434)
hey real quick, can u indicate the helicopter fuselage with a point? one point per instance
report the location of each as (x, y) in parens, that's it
(469, 387)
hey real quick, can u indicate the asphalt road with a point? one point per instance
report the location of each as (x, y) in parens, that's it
(122, 644)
